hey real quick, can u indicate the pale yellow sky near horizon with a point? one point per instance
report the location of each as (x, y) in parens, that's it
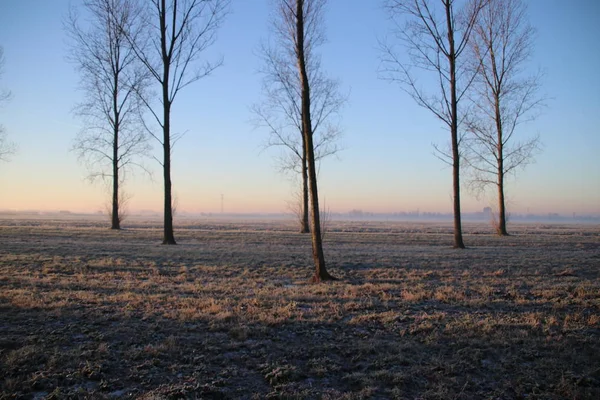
(85, 197)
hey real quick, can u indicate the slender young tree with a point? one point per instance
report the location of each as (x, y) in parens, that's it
(7, 148)
(503, 97)
(299, 26)
(436, 36)
(175, 34)
(112, 140)
(280, 112)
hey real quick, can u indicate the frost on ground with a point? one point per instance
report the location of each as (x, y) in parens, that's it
(229, 313)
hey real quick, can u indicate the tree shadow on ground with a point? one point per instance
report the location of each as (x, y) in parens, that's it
(117, 351)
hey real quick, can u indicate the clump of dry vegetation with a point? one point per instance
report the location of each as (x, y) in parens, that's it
(229, 313)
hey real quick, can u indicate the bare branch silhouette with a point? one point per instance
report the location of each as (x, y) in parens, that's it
(435, 36)
(7, 148)
(112, 142)
(502, 98)
(300, 102)
(280, 110)
(174, 34)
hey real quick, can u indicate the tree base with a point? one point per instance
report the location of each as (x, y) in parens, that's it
(116, 228)
(304, 227)
(169, 242)
(318, 278)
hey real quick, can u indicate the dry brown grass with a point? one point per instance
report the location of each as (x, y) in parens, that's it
(228, 313)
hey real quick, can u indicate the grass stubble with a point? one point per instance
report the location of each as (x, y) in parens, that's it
(228, 313)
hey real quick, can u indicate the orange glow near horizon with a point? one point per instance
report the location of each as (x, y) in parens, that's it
(92, 204)
(74, 194)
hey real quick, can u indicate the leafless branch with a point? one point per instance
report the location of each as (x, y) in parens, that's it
(280, 109)
(435, 36)
(503, 98)
(7, 148)
(112, 138)
(173, 34)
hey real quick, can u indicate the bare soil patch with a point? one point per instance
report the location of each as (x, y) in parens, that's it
(86, 312)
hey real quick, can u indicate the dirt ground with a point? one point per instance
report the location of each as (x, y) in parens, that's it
(228, 313)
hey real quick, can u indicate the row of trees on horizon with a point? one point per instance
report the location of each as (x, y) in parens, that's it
(135, 56)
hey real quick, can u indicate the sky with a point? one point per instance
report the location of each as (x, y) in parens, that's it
(387, 163)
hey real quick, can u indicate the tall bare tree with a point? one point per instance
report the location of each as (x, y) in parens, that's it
(176, 33)
(112, 140)
(7, 148)
(503, 98)
(436, 36)
(299, 27)
(280, 112)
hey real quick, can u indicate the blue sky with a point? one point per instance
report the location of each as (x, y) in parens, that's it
(387, 164)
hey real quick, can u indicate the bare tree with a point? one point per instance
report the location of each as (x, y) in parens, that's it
(280, 111)
(503, 97)
(7, 148)
(176, 33)
(112, 140)
(299, 31)
(436, 35)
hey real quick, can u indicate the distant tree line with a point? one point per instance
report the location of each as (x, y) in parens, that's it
(135, 56)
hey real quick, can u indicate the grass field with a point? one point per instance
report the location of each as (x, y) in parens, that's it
(86, 312)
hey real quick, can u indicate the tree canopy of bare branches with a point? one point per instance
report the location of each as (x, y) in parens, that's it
(7, 148)
(175, 33)
(112, 142)
(503, 97)
(435, 35)
(281, 108)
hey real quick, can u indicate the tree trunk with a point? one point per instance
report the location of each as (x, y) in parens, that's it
(321, 273)
(169, 237)
(115, 220)
(501, 207)
(304, 225)
(458, 239)
(501, 228)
